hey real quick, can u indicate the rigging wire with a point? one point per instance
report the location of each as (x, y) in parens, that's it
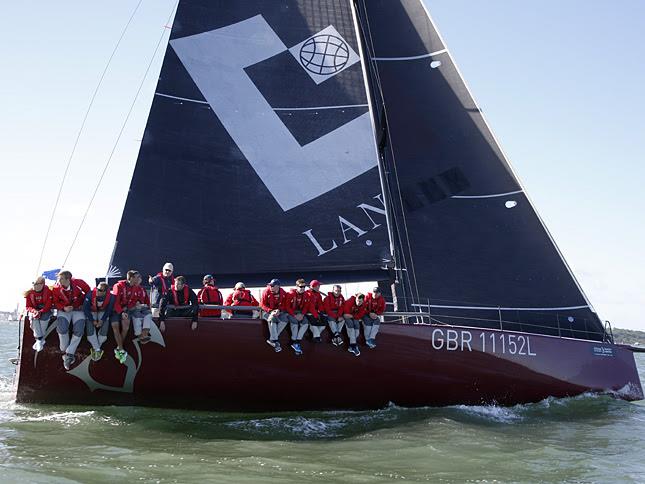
(80, 132)
(400, 266)
(414, 289)
(125, 122)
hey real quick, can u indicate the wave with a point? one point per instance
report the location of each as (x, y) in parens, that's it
(340, 424)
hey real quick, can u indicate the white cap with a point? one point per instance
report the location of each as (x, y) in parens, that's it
(240, 285)
(168, 265)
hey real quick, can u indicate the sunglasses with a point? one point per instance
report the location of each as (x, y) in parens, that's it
(101, 290)
(302, 287)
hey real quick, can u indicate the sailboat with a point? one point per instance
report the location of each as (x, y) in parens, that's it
(336, 140)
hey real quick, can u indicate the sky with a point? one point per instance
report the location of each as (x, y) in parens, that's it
(560, 83)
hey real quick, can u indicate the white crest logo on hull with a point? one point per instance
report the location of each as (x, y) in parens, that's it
(294, 174)
(82, 371)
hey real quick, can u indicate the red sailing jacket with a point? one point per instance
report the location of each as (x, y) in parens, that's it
(128, 296)
(241, 297)
(270, 301)
(106, 301)
(374, 305)
(357, 312)
(334, 305)
(303, 303)
(73, 296)
(185, 295)
(210, 295)
(317, 301)
(39, 303)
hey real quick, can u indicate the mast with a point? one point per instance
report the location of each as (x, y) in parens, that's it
(403, 289)
(367, 75)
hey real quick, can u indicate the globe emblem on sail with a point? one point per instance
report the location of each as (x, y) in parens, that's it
(324, 54)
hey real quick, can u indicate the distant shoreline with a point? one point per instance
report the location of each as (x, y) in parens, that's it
(629, 336)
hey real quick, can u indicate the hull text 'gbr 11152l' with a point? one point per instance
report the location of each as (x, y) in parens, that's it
(338, 142)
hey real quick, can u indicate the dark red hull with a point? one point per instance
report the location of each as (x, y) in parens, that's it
(226, 365)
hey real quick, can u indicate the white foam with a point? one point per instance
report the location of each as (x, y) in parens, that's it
(299, 426)
(492, 412)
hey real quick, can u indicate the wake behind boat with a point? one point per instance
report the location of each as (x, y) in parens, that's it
(336, 141)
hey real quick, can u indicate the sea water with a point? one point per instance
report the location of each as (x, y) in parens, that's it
(584, 439)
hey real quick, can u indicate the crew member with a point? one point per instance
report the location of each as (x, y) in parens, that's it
(68, 295)
(354, 312)
(334, 307)
(131, 304)
(179, 302)
(160, 285)
(374, 307)
(241, 296)
(98, 307)
(38, 302)
(210, 294)
(299, 303)
(273, 303)
(316, 323)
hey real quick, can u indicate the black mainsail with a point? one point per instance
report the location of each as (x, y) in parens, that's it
(258, 159)
(467, 236)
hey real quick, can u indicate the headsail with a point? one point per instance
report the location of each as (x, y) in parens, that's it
(466, 232)
(258, 159)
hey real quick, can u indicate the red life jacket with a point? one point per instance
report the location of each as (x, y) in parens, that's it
(105, 303)
(164, 287)
(374, 305)
(37, 299)
(316, 300)
(72, 296)
(352, 308)
(210, 295)
(271, 301)
(176, 299)
(303, 303)
(39, 303)
(334, 305)
(242, 297)
(129, 295)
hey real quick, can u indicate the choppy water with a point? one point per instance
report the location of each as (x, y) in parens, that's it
(583, 439)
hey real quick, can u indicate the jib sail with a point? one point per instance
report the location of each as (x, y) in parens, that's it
(258, 159)
(466, 235)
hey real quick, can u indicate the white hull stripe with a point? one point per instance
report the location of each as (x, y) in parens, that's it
(414, 57)
(491, 308)
(494, 195)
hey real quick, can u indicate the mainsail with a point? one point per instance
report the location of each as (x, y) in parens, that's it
(466, 234)
(258, 159)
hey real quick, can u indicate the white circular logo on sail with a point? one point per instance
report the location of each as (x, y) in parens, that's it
(324, 54)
